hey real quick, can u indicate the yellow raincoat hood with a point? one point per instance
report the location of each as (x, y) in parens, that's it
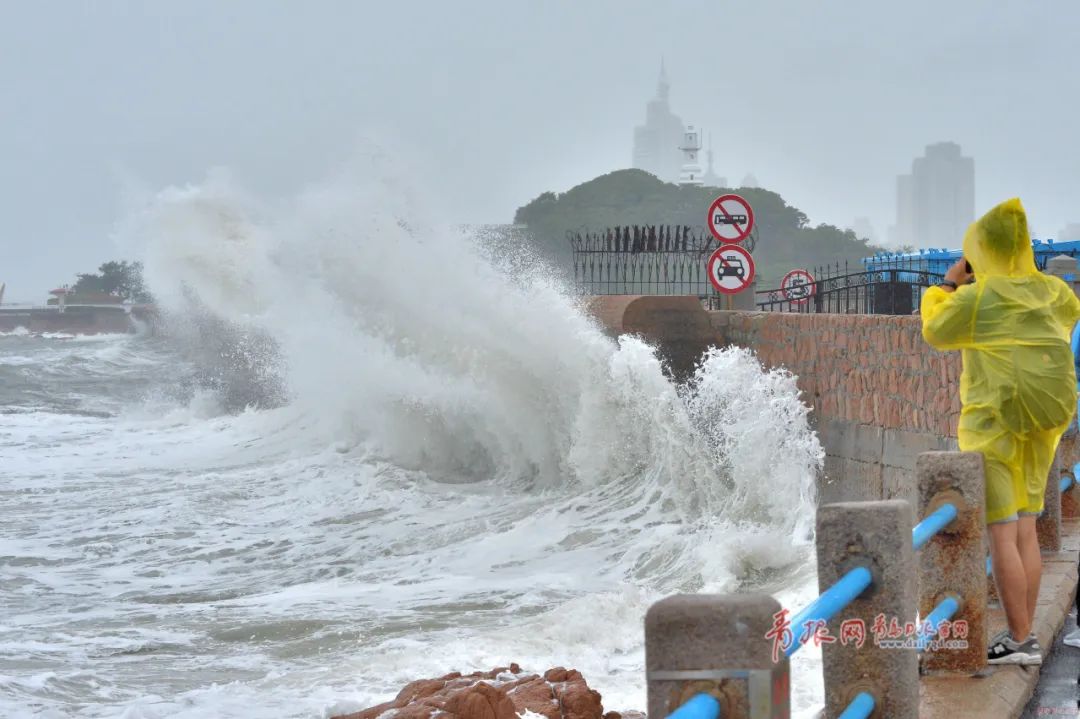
(1018, 388)
(999, 243)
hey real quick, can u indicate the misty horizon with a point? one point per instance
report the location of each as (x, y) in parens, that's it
(489, 105)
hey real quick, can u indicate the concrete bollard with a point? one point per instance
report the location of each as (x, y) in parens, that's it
(954, 561)
(876, 535)
(1048, 525)
(716, 644)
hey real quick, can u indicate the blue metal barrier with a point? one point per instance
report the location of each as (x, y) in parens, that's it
(841, 594)
(829, 604)
(699, 706)
(859, 708)
(852, 584)
(944, 611)
(934, 523)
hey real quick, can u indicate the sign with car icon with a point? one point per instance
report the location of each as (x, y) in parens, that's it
(731, 269)
(798, 286)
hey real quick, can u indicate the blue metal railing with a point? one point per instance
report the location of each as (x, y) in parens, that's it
(934, 523)
(829, 604)
(699, 706)
(944, 611)
(841, 594)
(854, 583)
(859, 708)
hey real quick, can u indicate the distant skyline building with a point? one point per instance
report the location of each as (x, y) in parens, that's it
(657, 142)
(936, 202)
(749, 181)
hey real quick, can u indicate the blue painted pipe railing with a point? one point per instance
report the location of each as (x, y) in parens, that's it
(699, 706)
(860, 707)
(945, 610)
(1067, 481)
(852, 584)
(829, 604)
(934, 523)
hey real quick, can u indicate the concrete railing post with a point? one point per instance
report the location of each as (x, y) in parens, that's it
(953, 563)
(1070, 499)
(717, 645)
(876, 535)
(1048, 525)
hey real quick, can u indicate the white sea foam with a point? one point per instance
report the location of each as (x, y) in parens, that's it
(466, 473)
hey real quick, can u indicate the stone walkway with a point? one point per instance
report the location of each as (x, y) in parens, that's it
(1005, 691)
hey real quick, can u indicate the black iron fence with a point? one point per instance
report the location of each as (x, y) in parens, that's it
(672, 260)
(645, 260)
(886, 289)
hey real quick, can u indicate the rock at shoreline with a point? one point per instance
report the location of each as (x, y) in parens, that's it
(502, 693)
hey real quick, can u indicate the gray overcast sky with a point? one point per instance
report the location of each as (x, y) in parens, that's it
(825, 102)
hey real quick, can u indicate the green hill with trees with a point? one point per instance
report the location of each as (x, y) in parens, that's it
(114, 281)
(785, 238)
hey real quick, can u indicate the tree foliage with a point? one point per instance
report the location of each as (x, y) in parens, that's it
(785, 238)
(120, 279)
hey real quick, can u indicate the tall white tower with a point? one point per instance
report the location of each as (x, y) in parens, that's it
(691, 173)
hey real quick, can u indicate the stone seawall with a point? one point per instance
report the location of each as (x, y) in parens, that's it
(75, 320)
(880, 394)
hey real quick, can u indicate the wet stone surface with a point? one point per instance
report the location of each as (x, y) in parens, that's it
(1058, 692)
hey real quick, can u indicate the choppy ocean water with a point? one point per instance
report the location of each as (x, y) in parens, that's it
(290, 502)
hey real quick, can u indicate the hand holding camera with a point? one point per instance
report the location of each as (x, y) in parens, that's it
(960, 273)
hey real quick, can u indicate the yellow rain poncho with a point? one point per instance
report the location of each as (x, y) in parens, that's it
(1018, 388)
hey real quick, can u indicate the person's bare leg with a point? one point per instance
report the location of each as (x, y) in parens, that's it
(1011, 578)
(1028, 542)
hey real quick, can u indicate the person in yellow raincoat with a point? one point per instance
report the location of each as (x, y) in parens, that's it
(1018, 390)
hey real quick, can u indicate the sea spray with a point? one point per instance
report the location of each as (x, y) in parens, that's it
(462, 471)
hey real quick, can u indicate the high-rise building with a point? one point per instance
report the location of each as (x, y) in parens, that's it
(936, 202)
(657, 142)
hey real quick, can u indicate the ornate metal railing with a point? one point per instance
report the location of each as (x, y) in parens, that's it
(645, 260)
(838, 289)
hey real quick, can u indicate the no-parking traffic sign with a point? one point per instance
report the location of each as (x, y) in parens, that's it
(731, 269)
(798, 286)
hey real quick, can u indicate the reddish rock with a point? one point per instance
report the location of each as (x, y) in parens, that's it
(502, 693)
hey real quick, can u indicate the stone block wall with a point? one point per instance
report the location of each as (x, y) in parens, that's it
(880, 395)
